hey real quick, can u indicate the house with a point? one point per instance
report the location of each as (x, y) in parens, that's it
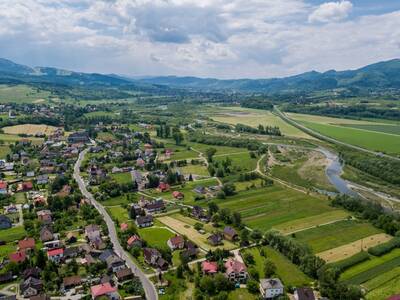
(42, 179)
(144, 221)
(30, 173)
(304, 293)
(176, 242)
(209, 267)
(199, 213)
(71, 237)
(71, 281)
(92, 232)
(31, 272)
(55, 255)
(44, 216)
(104, 289)
(25, 186)
(10, 209)
(124, 275)
(140, 163)
(230, 234)
(155, 206)
(64, 192)
(200, 190)
(3, 187)
(17, 257)
(46, 234)
(178, 195)
(9, 166)
(6, 277)
(215, 239)
(5, 222)
(115, 263)
(271, 288)
(134, 241)
(236, 271)
(163, 187)
(26, 244)
(153, 257)
(78, 137)
(190, 253)
(71, 252)
(124, 227)
(31, 287)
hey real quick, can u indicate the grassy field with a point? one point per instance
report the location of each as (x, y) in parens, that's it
(195, 170)
(336, 234)
(390, 288)
(221, 150)
(22, 94)
(120, 200)
(287, 272)
(241, 162)
(106, 136)
(265, 208)
(387, 128)
(5, 250)
(372, 140)
(156, 237)
(4, 150)
(241, 294)
(122, 178)
(12, 234)
(118, 213)
(329, 120)
(362, 271)
(254, 117)
(11, 138)
(29, 129)
(382, 279)
(348, 250)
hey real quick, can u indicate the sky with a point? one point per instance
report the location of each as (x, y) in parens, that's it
(205, 38)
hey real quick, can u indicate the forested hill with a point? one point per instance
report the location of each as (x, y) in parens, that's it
(382, 75)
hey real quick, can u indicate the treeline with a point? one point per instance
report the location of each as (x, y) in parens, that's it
(357, 111)
(267, 130)
(382, 167)
(372, 212)
(257, 104)
(215, 140)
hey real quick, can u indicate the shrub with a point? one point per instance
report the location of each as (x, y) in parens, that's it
(347, 263)
(384, 248)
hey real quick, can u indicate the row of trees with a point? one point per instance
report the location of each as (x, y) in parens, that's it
(217, 140)
(266, 130)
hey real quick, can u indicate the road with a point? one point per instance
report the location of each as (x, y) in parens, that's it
(328, 139)
(151, 293)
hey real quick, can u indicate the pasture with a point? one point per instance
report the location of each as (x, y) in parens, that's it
(387, 128)
(348, 250)
(12, 234)
(29, 129)
(268, 207)
(156, 237)
(254, 117)
(286, 270)
(22, 94)
(333, 235)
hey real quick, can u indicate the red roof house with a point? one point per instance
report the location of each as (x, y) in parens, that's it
(26, 244)
(209, 267)
(235, 270)
(163, 187)
(124, 226)
(134, 240)
(102, 289)
(17, 257)
(55, 255)
(178, 195)
(3, 187)
(27, 186)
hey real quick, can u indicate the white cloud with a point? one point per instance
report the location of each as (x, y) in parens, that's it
(331, 12)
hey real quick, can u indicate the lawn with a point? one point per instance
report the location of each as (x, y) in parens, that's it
(120, 200)
(388, 261)
(376, 141)
(241, 294)
(286, 270)
(106, 136)
(199, 170)
(220, 149)
(334, 235)
(5, 250)
(118, 213)
(265, 208)
(122, 178)
(12, 234)
(156, 237)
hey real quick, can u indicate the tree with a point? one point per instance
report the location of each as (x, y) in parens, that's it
(269, 268)
(244, 236)
(198, 226)
(212, 208)
(256, 235)
(237, 219)
(229, 188)
(210, 153)
(207, 285)
(248, 258)
(254, 274)
(252, 286)
(215, 219)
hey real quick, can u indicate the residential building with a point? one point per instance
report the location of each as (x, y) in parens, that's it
(104, 289)
(55, 255)
(17, 257)
(46, 234)
(209, 267)
(44, 216)
(304, 293)
(124, 275)
(153, 257)
(134, 241)
(26, 244)
(236, 271)
(42, 179)
(215, 239)
(71, 281)
(5, 222)
(271, 288)
(176, 242)
(144, 221)
(3, 187)
(230, 234)
(92, 232)
(31, 287)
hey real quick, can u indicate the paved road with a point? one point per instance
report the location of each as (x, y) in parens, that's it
(148, 286)
(311, 132)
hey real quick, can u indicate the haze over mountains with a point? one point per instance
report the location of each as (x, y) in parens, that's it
(382, 75)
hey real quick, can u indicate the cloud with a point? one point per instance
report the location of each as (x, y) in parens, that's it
(219, 38)
(331, 12)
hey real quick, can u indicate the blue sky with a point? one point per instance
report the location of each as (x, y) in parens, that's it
(207, 38)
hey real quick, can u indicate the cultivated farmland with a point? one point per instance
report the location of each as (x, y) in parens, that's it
(29, 129)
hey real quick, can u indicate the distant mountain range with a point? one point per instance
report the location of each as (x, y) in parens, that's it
(375, 77)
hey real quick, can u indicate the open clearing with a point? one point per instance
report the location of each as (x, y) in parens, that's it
(265, 208)
(156, 237)
(29, 129)
(188, 230)
(336, 234)
(118, 213)
(345, 251)
(286, 270)
(254, 117)
(21, 94)
(122, 178)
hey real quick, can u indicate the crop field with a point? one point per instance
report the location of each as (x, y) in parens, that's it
(156, 237)
(286, 270)
(390, 288)
(241, 294)
(372, 140)
(382, 279)
(12, 138)
(375, 262)
(22, 94)
(221, 150)
(194, 170)
(333, 235)
(329, 120)
(12, 234)
(118, 213)
(265, 208)
(348, 250)
(304, 223)
(29, 129)
(122, 178)
(387, 128)
(187, 229)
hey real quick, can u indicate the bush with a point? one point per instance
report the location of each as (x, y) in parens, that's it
(347, 263)
(384, 248)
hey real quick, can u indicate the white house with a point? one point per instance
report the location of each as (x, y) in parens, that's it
(271, 288)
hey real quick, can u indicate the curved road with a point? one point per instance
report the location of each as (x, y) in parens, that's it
(148, 286)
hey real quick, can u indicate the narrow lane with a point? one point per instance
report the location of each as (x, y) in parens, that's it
(148, 286)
